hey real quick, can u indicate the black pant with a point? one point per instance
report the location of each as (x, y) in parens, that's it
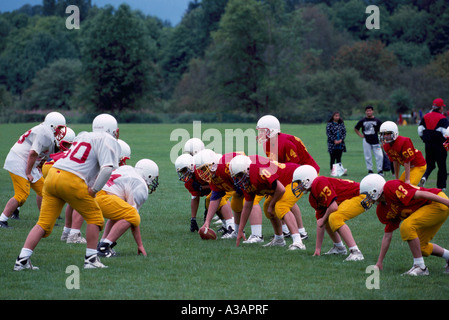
(436, 154)
(336, 156)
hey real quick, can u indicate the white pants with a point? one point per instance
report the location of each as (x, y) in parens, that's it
(368, 150)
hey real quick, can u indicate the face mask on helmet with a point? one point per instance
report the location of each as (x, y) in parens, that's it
(371, 186)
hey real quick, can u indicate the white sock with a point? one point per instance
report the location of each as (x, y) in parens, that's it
(66, 230)
(25, 253)
(446, 254)
(339, 244)
(419, 262)
(3, 218)
(106, 241)
(354, 248)
(90, 252)
(256, 230)
(302, 230)
(236, 227)
(285, 228)
(296, 238)
(74, 231)
(229, 223)
(279, 237)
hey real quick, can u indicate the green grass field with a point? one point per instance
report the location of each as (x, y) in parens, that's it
(180, 266)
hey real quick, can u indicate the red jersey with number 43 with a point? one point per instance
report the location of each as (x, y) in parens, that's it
(287, 148)
(262, 174)
(325, 190)
(402, 151)
(399, 203)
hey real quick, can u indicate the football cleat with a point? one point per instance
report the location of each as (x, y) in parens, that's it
(104, 249)
(24, 264)
(416, 271)
(297, 246)
(230, 233)
(304, 235)
(4, 224)
(276, 243)
(422, 182)
(193, 225)
(75, 238)
(254, 239)
(337, 250)
(93, 262)
(355, 255)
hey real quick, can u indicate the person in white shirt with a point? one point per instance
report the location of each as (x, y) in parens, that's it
(120, 201)
(22, 161)
(75, 180)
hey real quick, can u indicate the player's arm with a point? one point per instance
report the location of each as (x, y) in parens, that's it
(138, 238)
(407, 172)
(194, 205)
(396, 167)
(214, 204)
(322, 221)
(386, 240)
(246, 211)
(279, 191)
(102, 178)
(32, 157)
(420, 194)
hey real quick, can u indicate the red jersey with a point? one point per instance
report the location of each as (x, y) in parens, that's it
(263, 173)
(194, 183)
(399, 203)
(325, 190)
(222, 180)
(287, 148)
(402, 151)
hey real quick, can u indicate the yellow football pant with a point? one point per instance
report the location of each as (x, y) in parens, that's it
(62, 187)
(22, 188)
(115, 208)
(237, 201)
(416, 174)
(347, 210)
(424, 223)
(284, 204)
(223, 201)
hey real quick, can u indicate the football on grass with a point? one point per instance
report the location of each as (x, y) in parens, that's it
(207, 234)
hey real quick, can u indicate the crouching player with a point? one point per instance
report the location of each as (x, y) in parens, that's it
(417, 212)
(335, 201)
(120, 199)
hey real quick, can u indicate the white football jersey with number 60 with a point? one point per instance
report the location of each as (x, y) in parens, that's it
(88, 153)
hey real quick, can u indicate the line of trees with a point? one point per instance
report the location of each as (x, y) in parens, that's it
(227, 60)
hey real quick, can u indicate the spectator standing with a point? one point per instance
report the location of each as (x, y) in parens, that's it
(370, 126)
(336, 134)
(431, 130)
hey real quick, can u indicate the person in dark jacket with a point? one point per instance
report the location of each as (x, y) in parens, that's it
(336, 134)
(432, 129)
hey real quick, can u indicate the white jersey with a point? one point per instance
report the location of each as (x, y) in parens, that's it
(40, 139)
(89, 152)
(128, 185)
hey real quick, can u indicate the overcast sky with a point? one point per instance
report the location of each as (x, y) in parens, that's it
(171, 10)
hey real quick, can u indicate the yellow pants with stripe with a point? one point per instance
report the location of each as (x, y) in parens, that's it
(115, 208)
(416, 174)
(62, 187)
(424, 224)
(283, 205)
(347, 210)
(22, 188)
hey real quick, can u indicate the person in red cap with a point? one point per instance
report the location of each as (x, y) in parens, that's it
(432, 129)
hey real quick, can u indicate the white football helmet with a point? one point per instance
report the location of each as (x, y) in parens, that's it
(193, 146)
(388, 128)
(185, 167)
(373, 186)
(150, 173)
(57, 123)
(67, 141)
(106, 123)
(239, 170)
(206, 162)
(125, 152)
(268, 127)
(303, 178)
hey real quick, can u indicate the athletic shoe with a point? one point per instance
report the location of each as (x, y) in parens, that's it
(229, 234)
(422, 182)
(304, 236)
(276, 243)
(355, 255)
(24, 264)
(4, 224)
(337, 250)
(416, 271)
(193, 225)
(93, 262)
(254, 239)
(446, 267)
(297, 246)
(104, 249)
(76, 238)
(15, 214)
(65, 235)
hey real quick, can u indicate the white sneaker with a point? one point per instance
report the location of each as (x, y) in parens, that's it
(355, 255)
(231, 234)
(276, 243)
(337, 250)
(416, 271)
(93, 262)
(297, 246)
(24, 264)
(76, 238)
(254, 239)
(446, 267)
(422, 182)
(65, 235)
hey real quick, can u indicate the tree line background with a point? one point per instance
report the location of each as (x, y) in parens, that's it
(226, 61)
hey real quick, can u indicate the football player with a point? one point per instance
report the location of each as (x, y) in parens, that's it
(75, 180)
(401, 152)
(284, 148)
(335, 201)
(22, 161)
(120, 201)
(256, 175)
(417, 212)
